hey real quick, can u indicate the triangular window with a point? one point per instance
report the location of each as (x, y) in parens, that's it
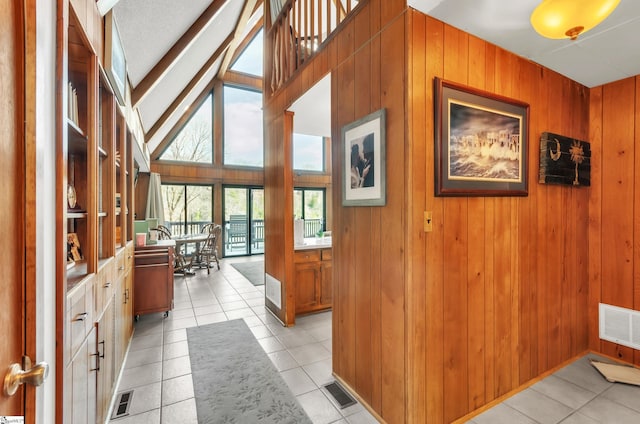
(194, 142)
(250, 60)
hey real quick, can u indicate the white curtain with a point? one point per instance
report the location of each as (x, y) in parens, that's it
(155, 205)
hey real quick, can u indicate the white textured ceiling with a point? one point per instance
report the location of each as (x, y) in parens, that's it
(149, 28)
(607, 53)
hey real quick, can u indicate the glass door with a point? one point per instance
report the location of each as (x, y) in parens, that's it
(243, 221)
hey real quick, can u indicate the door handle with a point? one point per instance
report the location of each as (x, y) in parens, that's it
(16, 375)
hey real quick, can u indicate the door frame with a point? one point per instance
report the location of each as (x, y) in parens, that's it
(249, 202)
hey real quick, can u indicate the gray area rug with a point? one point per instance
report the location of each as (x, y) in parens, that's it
(234, 380)
(253, 271)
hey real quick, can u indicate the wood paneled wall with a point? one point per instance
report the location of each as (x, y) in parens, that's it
(497, 293)
(430, 326)
(614, 222)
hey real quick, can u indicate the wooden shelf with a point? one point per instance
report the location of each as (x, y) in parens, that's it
(102, 214)
(76, 215)
(77, 139)
(76, 273)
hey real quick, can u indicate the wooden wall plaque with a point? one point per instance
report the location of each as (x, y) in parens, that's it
(564, 160)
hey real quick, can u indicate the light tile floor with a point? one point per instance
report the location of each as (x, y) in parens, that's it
(575, 394)
(157, 366)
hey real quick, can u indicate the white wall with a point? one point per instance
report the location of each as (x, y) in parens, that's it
(45, 202)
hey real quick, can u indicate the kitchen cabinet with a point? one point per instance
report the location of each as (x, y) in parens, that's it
(313, 280)
(153, 278)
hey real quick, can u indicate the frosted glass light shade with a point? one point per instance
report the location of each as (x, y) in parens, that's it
(570, 18)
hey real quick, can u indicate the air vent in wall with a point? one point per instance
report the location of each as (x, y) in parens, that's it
(620, 325)
(273, 290)
(121, 407)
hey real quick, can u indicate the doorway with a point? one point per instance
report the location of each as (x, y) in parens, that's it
(243, 227)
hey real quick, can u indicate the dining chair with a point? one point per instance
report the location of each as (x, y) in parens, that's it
(180, 263)
(208, 252)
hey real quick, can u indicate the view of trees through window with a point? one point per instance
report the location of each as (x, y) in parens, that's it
(187, 207)
(194, 143)
(309, 204)
(243, 139)
(308, 153)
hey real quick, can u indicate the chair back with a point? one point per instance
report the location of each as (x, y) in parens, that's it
(209, 246)
(163, 233)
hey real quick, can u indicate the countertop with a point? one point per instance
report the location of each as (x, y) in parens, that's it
(314, 243)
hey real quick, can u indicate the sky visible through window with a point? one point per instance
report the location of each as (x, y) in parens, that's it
(308, 154)
(243, 139)
(250, 61)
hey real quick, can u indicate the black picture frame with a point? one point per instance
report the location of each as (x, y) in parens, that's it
(481, 142)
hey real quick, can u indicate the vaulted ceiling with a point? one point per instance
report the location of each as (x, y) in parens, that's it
(174, 49)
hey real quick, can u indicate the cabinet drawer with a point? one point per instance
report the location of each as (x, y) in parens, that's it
(326, 254)
(78, 319)
(152, 257)
(121, 261)
(306, 256)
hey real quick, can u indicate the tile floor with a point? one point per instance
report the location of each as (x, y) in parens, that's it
(157, 366)
(575, 394)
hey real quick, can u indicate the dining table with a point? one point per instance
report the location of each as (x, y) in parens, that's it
(185, 263)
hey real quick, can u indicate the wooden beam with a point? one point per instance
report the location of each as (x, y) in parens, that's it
(247, 11)
(185, 92)
(104, 6)
(174, 53)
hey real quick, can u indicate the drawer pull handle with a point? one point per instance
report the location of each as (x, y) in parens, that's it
(121, 268)
(81, 317)
(107, 285)
(101, 355)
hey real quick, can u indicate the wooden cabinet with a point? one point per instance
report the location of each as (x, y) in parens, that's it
(313, 280)
(153, 278)
(105, 333)
(81, 375)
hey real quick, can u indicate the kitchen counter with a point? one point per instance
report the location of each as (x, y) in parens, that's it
(314, 243)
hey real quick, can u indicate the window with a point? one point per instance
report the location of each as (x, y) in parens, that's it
(194, 142)
(308, 153)
(309, 204)
(187, 207)
(243, 140)
(250, 60)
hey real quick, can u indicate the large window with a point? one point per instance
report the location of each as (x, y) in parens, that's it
(308, 153)
(243, 140)
(194, 142)
(250, 61)
(309, 204)
(187, 207)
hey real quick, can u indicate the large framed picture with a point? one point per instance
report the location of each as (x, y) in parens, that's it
(364, 170)
(480, 142)
(115, 62)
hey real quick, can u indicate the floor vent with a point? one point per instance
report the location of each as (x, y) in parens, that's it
(340, 395)
(121, 408)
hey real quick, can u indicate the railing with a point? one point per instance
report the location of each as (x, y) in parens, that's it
(193, 227)
(312, 226)
(299, 28)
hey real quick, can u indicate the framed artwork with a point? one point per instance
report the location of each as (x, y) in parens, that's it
(481, 142)
(364, 171)
(114, 59)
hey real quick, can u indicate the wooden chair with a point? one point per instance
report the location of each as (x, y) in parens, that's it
(180, 263)
(208, 252)
(163, 233)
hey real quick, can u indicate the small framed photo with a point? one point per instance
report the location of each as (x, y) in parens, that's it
(481, 142)
(364, 170)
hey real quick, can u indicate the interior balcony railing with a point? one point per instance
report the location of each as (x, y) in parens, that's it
(298, 29)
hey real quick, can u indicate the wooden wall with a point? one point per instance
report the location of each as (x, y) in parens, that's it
(498, 292)
(614, 221)
(368, 68)
(430, 326)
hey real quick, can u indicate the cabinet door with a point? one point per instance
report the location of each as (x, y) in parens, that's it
(83, 390)
(106, 350)
(326, 284)
(306, 283)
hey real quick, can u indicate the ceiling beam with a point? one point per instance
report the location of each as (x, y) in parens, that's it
(175, 52)
(247, 11)
(185, 92)
(104, 6)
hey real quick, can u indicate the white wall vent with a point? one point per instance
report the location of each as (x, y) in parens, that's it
(273, 290)
(620, 325)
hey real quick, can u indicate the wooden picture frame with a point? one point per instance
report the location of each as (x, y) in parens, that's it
(481, 142)
(114, 59)
(364, 158)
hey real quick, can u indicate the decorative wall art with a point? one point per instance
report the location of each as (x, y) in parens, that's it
(564, 160)
(115, 62)
(364, 170)
(480, 142)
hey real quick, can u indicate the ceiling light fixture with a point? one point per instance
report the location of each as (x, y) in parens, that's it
(569, 18)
